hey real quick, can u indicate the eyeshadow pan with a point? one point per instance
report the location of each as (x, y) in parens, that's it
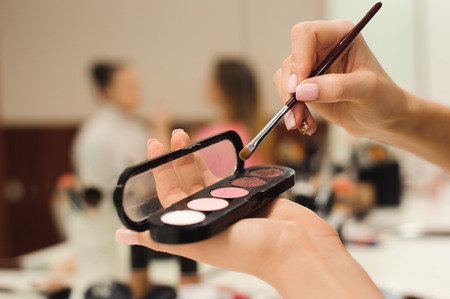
(182, 217)
(207, 204)
(229, 192)
(267, 172)
(248, 182)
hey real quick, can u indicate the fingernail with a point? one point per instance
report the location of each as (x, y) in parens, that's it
(292, 83)
(307, 92)
(311, 130)
(126, 236)
(177, 131)
(150, 140)
(289, 120)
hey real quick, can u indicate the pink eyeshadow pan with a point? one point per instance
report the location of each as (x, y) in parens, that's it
(248, 182)
(229, 192)
(267, 172)
(207, 204)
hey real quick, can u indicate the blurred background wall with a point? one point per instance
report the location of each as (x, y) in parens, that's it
(47, 46)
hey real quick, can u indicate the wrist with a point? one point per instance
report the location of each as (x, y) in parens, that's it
(307, 267)
(287, 264)
(421, 129)
(296, 266)
(399, 117)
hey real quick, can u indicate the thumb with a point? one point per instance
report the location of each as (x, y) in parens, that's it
(130, 237)
(332, 88)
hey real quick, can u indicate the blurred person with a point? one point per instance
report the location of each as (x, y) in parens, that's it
(110, 140)
(106, 143)
(233, 90)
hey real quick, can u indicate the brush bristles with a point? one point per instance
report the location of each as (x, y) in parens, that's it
(245, 153)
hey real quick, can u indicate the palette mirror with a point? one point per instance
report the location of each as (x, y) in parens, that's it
(139, 198)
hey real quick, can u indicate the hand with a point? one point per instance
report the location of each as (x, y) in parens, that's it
(356, 93)
(284, 243)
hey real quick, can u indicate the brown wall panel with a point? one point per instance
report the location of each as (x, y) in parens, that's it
(34, 159)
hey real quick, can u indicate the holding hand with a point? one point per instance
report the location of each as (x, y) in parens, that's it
(356, 93)
(284, 243)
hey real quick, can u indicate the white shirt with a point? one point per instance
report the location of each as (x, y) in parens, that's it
(106, 143)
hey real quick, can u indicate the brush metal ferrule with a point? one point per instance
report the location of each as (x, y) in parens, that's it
(251, 146)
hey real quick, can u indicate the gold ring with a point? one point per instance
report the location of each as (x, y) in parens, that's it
(304, 127)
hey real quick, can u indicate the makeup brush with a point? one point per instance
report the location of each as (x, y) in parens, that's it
(247, 151)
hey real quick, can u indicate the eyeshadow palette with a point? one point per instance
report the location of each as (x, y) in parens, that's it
(234, 192)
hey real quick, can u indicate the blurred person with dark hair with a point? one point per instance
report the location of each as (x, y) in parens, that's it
(233, 90)
(110, 140)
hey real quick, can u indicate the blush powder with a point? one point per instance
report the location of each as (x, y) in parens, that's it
(248, 182)
(183, 217)
(207, 204)
(229, 192)
(267, 172)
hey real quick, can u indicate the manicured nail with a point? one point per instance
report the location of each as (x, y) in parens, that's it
(289, 120)
(310, 131)
(292, 83)
(177, 131)
(126, 236)
(307, 92)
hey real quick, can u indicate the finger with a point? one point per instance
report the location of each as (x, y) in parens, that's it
(285, 74)
(185, 167)
(199, 251)
(208, 177)
(311, 42)
(295, 116)
(298, 116)
(130, 237)
(167, 185)
(281, 81)
(309, 119)
(332, 88)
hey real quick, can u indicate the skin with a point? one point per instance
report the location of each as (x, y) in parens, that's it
(124, 90)
(286, 244)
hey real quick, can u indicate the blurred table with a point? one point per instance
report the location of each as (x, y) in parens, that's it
(408, 264)
(163, 271)
(419, 266)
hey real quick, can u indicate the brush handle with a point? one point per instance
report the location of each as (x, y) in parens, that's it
(268, 128)
(337, 51)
